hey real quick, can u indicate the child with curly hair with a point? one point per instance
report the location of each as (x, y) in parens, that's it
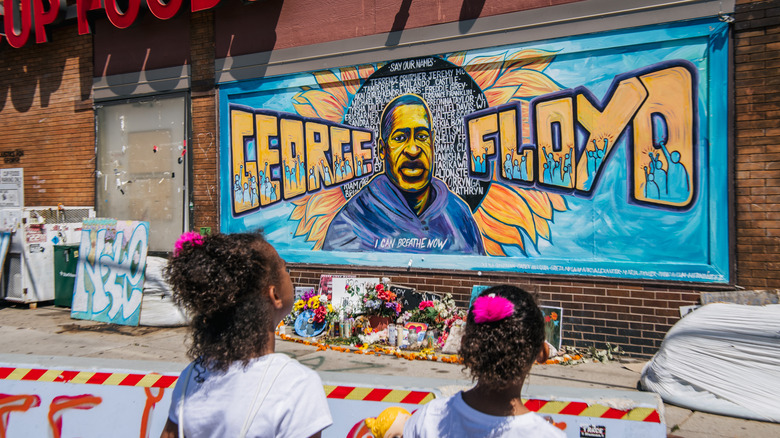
(236, 289)
(504, 336)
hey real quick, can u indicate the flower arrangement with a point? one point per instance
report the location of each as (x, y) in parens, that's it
(425, 313)
(458, 318)
(436, 313)
(367, 310)
(323, 310)
(378, 301)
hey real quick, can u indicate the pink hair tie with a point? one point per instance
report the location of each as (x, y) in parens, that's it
(190, 237)
(491, 308)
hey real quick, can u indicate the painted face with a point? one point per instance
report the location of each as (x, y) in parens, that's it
(408, 153)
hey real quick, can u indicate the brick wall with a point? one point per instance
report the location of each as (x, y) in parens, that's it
(757, 143)
(46, 112)
(205, 155)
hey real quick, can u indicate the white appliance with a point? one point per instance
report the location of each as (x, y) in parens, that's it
(28, 274)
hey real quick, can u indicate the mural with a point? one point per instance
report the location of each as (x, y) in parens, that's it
(110, 274)
(602, 154)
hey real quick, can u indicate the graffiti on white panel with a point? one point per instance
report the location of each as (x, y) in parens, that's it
(110, 273)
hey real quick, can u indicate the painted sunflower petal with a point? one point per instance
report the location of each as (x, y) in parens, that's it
(502, 233)
(558, 202)
(299, 211)
(510, 208)
(542, 227)
(304, 225)
(325, 202)
(353, 77)
(533, 59)
(535, 84)
(320, 209)
(457, 58)
(493, 248)
(332, 84)
(319, 104)
(500, 95)
(485, 69)
(364, 71)
(537, 201)
(320, 230)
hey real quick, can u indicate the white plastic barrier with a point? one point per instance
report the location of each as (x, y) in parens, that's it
(87, 397)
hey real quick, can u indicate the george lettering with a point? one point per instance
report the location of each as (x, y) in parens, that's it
(279, 156)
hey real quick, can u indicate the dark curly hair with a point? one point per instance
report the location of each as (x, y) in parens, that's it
(220, 284)
(501, 352)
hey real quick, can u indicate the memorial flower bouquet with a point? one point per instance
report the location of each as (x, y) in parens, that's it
(318, 304)
(436, 313)
(425, 313)
(377, 301)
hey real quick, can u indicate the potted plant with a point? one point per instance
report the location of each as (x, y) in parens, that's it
(379, 305)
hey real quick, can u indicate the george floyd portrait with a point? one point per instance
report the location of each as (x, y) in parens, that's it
(405, 208)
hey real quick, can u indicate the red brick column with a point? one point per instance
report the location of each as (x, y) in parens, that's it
(757, 143)
(205, 169)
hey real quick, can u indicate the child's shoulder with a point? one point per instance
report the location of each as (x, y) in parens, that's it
(290, 368)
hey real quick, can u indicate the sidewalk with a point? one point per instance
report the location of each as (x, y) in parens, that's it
(49, 331)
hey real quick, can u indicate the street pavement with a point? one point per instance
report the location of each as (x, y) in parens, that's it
(49, 331)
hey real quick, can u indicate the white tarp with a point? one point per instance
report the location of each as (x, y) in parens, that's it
(723, 359)
(157, 307)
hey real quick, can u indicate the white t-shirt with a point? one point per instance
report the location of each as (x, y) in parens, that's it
(452, 417)
(293, 400)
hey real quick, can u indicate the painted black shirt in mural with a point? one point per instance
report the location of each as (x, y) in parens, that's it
(378, 218)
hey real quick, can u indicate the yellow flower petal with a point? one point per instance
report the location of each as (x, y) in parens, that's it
(319, 104)
(508, 207)
(457, 58)
(485, 70)
(500, 95)
(332, 84)
(534, 59)
(534, 84)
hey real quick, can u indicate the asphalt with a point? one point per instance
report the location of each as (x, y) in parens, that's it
(49, 331)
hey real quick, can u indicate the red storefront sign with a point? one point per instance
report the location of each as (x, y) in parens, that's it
(20, 17)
